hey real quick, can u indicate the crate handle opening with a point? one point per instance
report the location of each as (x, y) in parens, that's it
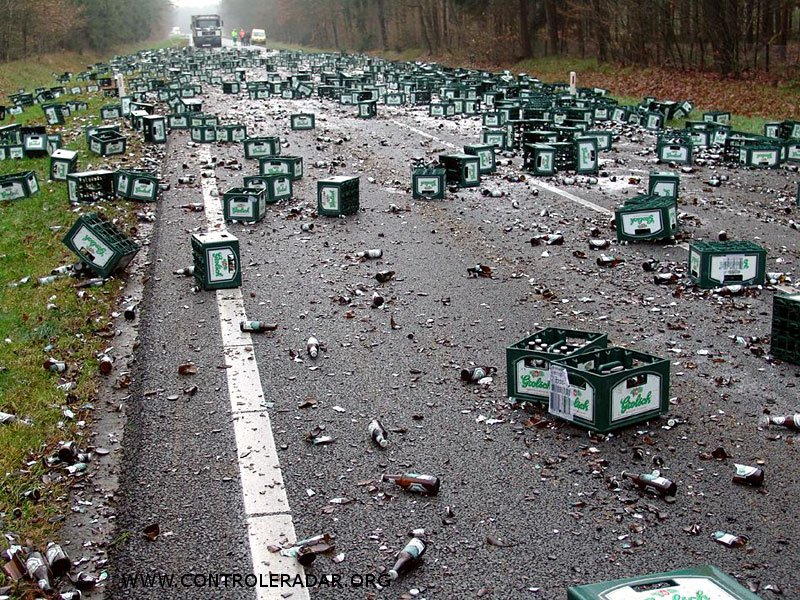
(727, 278)
(654, 585)
(538, 363)
(636, 380)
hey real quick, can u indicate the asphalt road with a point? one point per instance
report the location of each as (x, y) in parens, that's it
(549, 495)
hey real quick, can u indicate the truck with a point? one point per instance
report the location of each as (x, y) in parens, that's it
(207, 31)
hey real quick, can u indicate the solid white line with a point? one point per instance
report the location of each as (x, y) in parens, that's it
(265, 503)
(572, 197)
(423, 133)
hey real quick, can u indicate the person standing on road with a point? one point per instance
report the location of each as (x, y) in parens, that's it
(241, 37)
(247, 38)
(234, 35)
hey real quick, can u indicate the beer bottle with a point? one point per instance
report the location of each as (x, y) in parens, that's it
(106, 363)
(38, 571)
(56, 366)
(312, 346)
(728, 539)
(186, 271)
(193, 206)
(408, 557)
(68, 452)
(257, 326)
(607, 260)
(748, 475)
(651, 264)
(650, 481)
(413, 482)
(665, 278)
(371, 253)
(790, 422)
(598, 244)
(477, 373)
(378, 433)
(377, 300)
(384, 276)
(58, 560)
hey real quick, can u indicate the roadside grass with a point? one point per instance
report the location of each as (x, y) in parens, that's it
(71, 329)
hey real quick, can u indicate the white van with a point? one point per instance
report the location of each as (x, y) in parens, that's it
(258, 36)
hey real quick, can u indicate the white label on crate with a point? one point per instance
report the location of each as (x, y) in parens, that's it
(221, 264)
(544, 162)
(437, 111)
(694, 263)
(582, 401)
(672, 212)
(642, 223)
(559, 393)
(485, 157)
(52, 117)
(11, 191)
(682, 588)
(653, 122)
(259, 149)
(91, 248)
(587, 157)
(764, 157)
(301, 122)
(533, 381)
(665, 188)
(33, 184)
(17, 152)
(636, 395)
(238, 134)
(743, 267)
(241, 208)
(330, 198)
(471, 172)
(122, 183)
(428, 185)
(273, 168)
(793, 151)
(674, 153)
(60, 170)
(158, 131)
(72, 189)
(495, 139)
(114, 148)
(143, 189)
(282, 187)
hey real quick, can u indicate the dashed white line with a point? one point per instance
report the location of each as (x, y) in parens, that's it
(423, 133)
(265, 503)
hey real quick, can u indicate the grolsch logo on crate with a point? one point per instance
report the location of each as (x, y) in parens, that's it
(222, 264)
(636, 395)
(91, 248)
(330, 198)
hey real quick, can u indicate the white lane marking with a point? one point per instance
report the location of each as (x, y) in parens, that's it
(573, 198)
(423, 133)
(266, 506)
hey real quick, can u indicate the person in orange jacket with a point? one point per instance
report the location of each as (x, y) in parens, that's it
(241, 37)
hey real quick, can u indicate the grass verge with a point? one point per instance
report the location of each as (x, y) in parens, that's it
(53, 319)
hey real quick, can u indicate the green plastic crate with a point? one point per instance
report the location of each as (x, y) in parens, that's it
(604, 139)
(785, 338)
(201, 120)
(35, 142)
(607, 389)
(699, 583)
(100, 244)
(231, 87)
(110, 112)
(540, 159)
(428, 183)
(11, 134)
(18, 185)
(367, 109)
(528, 363)
(231, 133)
(203, 134)
(663, 183)
(492, 119)
(178, 120)
(761, 155)
(244, 204)
(262, 146)
(676, 151)
(154, 128)
(717, 116)
(55, 114)
(462, 169)
(646, 218)
(714, 264)
(338, 196)
(216, 260)
(276, 165)
(90, 186)
(63, 162)
(394, 99)
(136, 184)
(302, 121)
(486, 154)
(107, 143)
(586, 161)
(53, 142)
(791, 151)
(15, 151)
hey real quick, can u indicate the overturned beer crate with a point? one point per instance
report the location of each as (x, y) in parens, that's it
(677, 150)
(62, 163)
(136, 184)
(706, 583)
(216, 260)
(428, 183)
(18, 185)
(646, 218)
(244, 204)
(785, 339)
(714, 264)
(154, 129)
(540, 159)
(15, 151)
(90, 186)
(367, 109)
(262, 146)
(769, 156)
(486, 154)
(276, 165)
(528, 361)
(302, 121)
(461, 169)
(609, 388)
(337, 196)
(55, 114)
(100, 244)
(107, 143)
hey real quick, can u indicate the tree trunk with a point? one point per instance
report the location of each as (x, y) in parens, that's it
(551, 16)
(382, 25)
(524, 30)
